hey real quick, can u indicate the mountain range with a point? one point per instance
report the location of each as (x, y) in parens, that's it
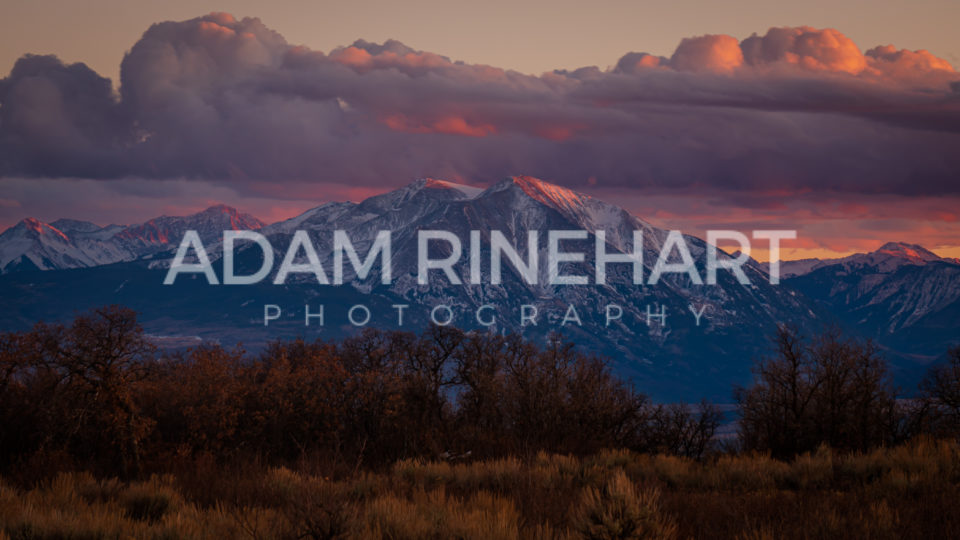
(904, 297)
(67, 243)
(901, 295)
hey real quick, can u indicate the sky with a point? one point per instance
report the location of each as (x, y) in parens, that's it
(839, 119)
(528, 36)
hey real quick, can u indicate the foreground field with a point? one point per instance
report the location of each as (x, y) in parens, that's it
(905, 492)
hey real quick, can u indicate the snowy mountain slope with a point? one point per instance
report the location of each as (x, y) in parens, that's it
(65, 243)
(32, 244)
(897, 291)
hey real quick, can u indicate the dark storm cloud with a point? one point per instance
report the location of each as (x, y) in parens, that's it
(228, 100)
(59, 120)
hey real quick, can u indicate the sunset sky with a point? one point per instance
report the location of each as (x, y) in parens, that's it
(839, 119)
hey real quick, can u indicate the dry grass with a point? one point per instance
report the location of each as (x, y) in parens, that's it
(902, 492)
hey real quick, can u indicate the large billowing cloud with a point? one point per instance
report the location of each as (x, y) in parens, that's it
(718, 53)
(230, 102)
(59, 120)
(826, 50)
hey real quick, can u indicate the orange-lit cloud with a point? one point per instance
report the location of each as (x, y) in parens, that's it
(557, 132)
(451, 125)
(712, 53)
(634, 62)
(902, 64)
(392, 54)
(809, 48)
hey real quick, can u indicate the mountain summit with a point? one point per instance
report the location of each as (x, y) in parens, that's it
(887, 258)
(911, 252)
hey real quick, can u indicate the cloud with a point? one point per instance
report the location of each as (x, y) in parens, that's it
(809, 48)
(229, 102)
(59, 120)
(718, 53)
(906, 65)
(634, 62)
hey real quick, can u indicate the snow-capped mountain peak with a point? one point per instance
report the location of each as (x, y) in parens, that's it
(468, 192)
(543, 192)
(583, 210)
(423, 190)
(229, 214)
(911, 252)
(887, 258)
(896, 287)
(70, 226)
(33, 227)
(34, 244)
(210, 224)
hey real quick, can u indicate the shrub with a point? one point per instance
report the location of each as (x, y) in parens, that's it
(620, 511)
(149, 501)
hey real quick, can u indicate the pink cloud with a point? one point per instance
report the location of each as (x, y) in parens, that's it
(634, 62)
(809, 48)
(212, 28)
(720, 53)
(557, 132)
(352, 56)
(911, 67)
(906, 62)
(364, 56)
(450, 125)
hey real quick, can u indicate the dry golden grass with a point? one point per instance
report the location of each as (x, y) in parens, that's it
(903, 492)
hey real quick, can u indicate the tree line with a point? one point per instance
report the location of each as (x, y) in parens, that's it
(96, 394)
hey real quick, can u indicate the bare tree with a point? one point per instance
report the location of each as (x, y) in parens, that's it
(940, 396)
(829, 390)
